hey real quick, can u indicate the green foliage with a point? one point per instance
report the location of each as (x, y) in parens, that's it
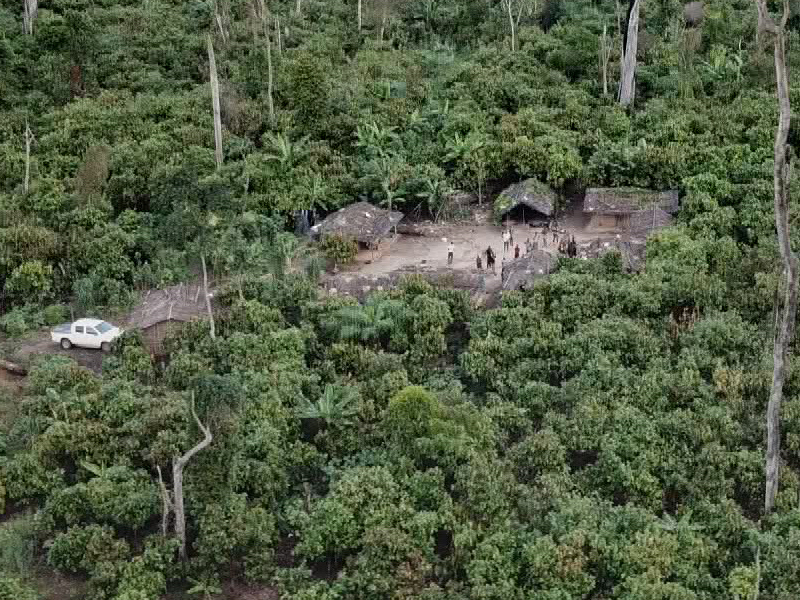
(85, 549)
(30, 281)
(338, 249)
(599, 435)
(18, 543)
(14, 589)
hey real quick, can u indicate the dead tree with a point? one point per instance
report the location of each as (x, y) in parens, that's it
(208, 297)
(29, 11)
(212, 65)
(627, 83)
(29, 139)
(278, 42)
(167, 506)
(359, 15)
(514, 6)
(178, 465)
(264, 15)
(604, 56)
(297, 8)
(785, 332)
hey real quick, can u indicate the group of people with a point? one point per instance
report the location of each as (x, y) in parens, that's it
(566, 246)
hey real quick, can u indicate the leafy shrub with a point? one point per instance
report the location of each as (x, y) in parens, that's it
(32, 280)
(117, 496)
(14, 323)
(19, 321)
(13, 589)
(340, 250)
(82, 549)
(130, 359)
(55, 314)
(17, 546)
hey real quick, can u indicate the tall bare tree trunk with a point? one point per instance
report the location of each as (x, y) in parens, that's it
(360, 21)
(278, 35)
(268, 43)
(297, 8)
(605, 56)
(212, 63)
(28, 140)
(513, 25)
(384, 16)
(29, 11)
(167, 507)
(791, 267)
(621, 34)
(208, 298)
(178, 466)
(627, 82)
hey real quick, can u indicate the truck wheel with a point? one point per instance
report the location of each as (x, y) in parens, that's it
(66, 344)
(105, 347)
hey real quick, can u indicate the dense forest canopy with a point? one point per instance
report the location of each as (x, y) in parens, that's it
(584, 439)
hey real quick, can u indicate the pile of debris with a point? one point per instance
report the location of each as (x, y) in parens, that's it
(631, 250)
(360, 286)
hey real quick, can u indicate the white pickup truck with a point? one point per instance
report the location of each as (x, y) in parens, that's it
(88, 333)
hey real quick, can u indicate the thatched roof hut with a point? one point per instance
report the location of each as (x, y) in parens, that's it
(523, 271)
(160, 311)
(361, 221)
(622, 201)
(539, 198)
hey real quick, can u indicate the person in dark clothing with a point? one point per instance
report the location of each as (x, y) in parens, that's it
(479, 262)
(516, 251)
(490, 259)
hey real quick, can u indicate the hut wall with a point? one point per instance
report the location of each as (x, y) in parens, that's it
(155, 334)
(608, 222)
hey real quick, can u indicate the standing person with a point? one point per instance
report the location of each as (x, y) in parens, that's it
(506, 241)
(511, 236)
(555, 235)
(516, 251)
(451, 248)
(527, 246)
(478, 262)
(490, 259)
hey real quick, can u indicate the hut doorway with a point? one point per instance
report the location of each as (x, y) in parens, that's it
(609, 222)
(522, 214)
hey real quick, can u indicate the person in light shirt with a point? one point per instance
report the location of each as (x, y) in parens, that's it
(451, 248)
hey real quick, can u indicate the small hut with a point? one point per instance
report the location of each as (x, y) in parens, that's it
(520, 273)
(161, 311)
(366, 224)
(529, 200)
(613, 209)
